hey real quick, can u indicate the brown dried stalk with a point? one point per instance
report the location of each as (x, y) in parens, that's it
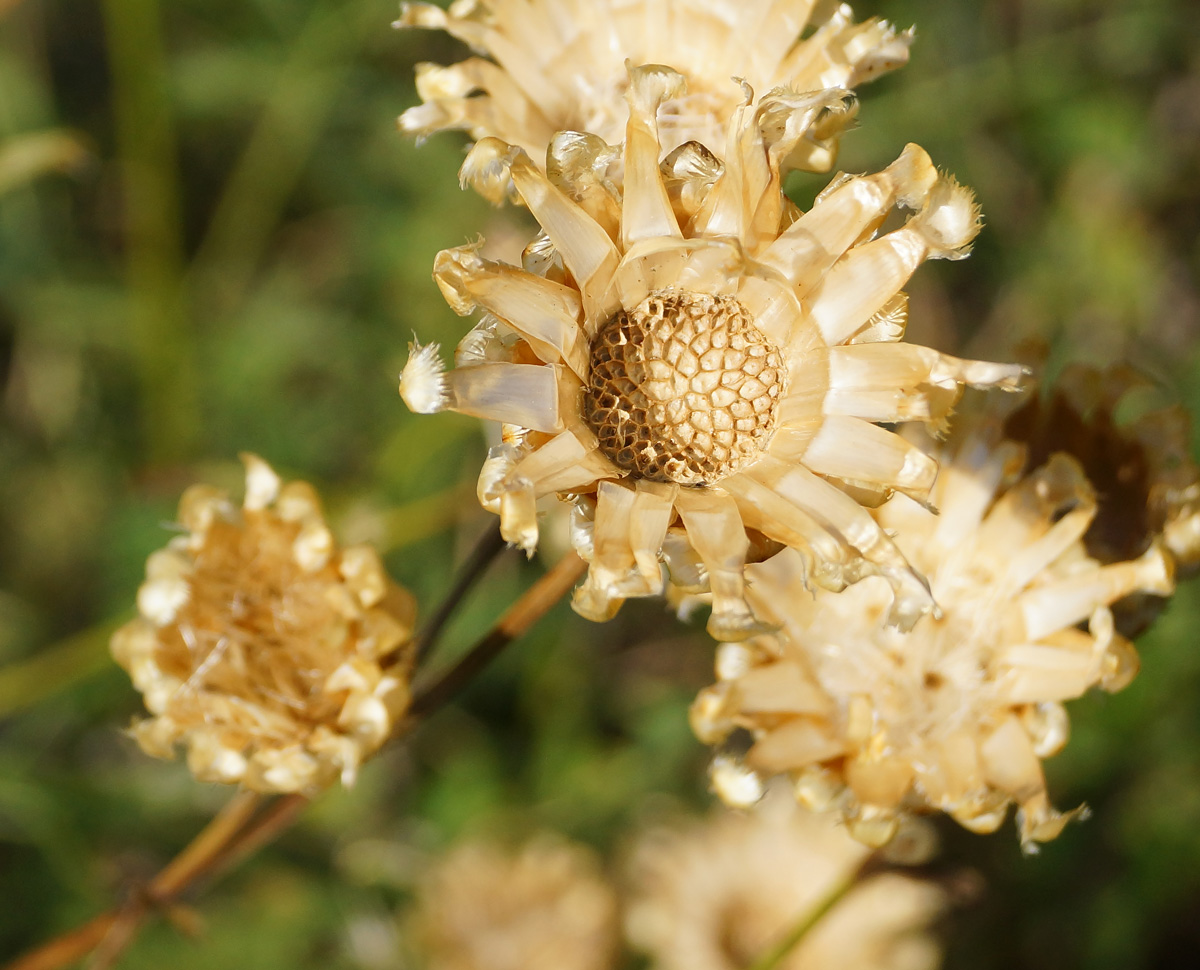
(240, 829)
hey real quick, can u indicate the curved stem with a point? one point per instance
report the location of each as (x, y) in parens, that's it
(239, 829)
(520, 617)
(775, 956)
(195, 858)
(482, 556)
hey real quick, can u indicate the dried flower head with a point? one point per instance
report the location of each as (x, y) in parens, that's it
(278, 660)
(689, 357)
(1147, 485)
(560, 65)
(958, 713)
(546, 907)
(721, 894)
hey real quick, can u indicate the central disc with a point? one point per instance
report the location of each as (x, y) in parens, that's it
(683, 388)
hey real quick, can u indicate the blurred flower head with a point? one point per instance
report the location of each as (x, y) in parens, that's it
(560, 65)
(275, 658)
(958, 713)
(692, 360)
(721, 894)
(544, 907)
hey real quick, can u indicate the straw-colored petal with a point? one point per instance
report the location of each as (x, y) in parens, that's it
(855, 451)
(865, 279)
(647, 212)
(716, 532)
(547, 314)
(530, 395)
(585, 247)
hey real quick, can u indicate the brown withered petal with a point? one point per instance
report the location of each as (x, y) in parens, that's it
(276, 659)
(698, 366)
(956, 715)
(544, 907)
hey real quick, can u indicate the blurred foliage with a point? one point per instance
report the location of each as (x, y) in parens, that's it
(213, 240)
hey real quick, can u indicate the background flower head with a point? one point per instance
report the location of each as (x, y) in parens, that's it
(722, 893)
(275, 658)
(560, 65)
(544, 906)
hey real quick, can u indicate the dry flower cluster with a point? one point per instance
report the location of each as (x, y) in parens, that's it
(277, 659)
(716, 385)
(692, 895)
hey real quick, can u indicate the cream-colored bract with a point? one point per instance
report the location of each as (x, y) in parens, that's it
(820, 288)
(278, 660)
(956, 714)
(558, 65)
(723, 893)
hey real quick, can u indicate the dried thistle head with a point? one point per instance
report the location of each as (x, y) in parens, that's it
(957, 714)
(560, 65)
(694, 363)
(278, 660)
(1147, 485)
(545, 907)
(720, 894)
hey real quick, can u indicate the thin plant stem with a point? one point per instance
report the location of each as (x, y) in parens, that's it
(774, 957)
(169, 883)
(482, 556)
(239, 830)
(207, 846)
(55, 667)
(520, 617)
(273, 821)
(161, 336)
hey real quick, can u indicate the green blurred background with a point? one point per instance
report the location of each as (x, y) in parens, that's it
(251, 283)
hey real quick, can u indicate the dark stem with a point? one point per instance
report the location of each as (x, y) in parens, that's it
(521, 616)
(486, 550)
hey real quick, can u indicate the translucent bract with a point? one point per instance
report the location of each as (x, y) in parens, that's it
(957, 714)
(696, 365)
(560, 65)
(275, 658)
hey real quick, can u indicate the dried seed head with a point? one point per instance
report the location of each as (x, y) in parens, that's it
(685, 326)
(277, 659)
(683, 388)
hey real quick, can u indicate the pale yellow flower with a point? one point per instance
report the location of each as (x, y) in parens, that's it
(545, 907)
(276, 659)
(957, 714)
(560, 65)
(695, 362)
(719, 895)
